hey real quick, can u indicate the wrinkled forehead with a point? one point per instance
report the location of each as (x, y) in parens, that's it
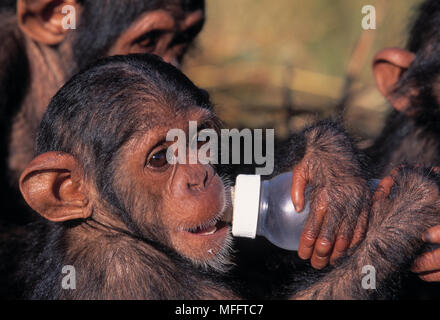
(153, 125)
(166, 117)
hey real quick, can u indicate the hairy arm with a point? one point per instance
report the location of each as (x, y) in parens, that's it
(391, 243)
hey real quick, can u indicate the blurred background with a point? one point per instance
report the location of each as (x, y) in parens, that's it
(281, 64)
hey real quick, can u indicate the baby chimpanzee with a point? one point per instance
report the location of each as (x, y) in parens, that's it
(128, 224)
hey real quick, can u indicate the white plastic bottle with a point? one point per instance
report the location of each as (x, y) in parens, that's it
(265, 208)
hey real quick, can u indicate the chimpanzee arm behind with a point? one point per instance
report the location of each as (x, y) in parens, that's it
(391, 243)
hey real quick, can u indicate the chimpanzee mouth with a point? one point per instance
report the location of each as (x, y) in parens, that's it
(212, 226)
(219, 224)
(208, 230)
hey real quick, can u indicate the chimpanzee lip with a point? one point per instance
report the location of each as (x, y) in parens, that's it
(209, 227)
(207, 231)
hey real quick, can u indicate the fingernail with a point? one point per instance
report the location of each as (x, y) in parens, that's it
(426, 236)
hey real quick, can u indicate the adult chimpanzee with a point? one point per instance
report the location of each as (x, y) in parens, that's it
(135, 226)
(410, 80)
(38, 55)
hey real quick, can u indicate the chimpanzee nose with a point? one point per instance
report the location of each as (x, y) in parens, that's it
(200, 177)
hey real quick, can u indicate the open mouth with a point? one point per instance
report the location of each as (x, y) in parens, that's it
(208, 230)
(219, 223)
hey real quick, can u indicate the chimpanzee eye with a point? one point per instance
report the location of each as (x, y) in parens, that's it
(159, 159)
(150, 39)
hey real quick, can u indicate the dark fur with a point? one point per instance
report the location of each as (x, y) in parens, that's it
(415, 140)
(392, 241)
(102, 22)
(51, 258)
(112, 21)
(153, 274)
(95, 113)
(103, 123)
(123, 83)
(13, 87)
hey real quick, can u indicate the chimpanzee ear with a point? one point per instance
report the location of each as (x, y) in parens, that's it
(42, 20)
(388, 66)
(52, 185)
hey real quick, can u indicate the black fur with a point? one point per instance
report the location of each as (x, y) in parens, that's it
(92, 117)
(415, 140)
(102, 107)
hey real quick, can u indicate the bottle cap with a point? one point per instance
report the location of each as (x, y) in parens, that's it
(246, 206)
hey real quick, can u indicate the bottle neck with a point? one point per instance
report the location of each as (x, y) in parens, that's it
(263, 206)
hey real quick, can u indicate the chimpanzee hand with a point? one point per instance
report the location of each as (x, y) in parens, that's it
(339, 198)
(427, 265)
(405, 205)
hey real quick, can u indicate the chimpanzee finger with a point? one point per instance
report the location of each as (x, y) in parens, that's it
(326, 240)
(299, 181)
(343, 238)
(431, 276)
(432, 235)
(313, 224)
(341, 245)
(429, 261)
(383, 188)
(426, 262)
(361, 227)
(380, 197)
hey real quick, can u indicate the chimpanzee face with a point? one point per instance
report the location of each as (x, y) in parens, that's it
(105, 159)
(178, 204)
(166, 33)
